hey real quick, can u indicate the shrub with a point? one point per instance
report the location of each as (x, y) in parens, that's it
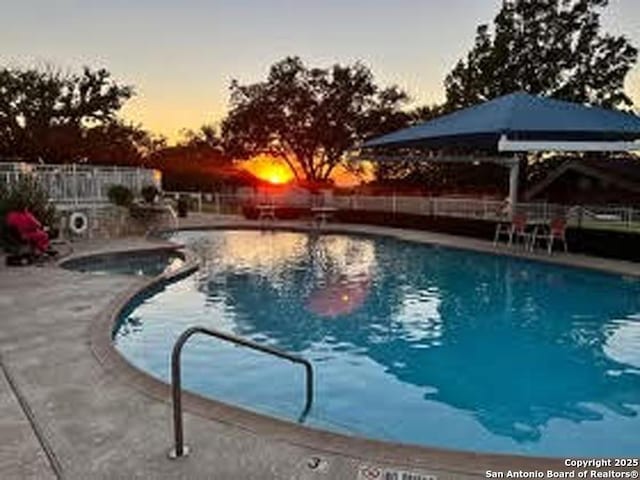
(145, 214)
(25, 193)
(120, 195)
(149, 193)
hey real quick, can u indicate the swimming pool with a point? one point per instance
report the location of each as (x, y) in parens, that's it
(410, 343)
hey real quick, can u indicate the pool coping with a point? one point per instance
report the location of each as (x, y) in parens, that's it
(81, 256)
(432, 459)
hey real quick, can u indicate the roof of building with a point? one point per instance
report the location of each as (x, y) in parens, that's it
(621, 171)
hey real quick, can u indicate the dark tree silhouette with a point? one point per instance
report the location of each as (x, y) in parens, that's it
(198, 162)
(45, 114)
(309, 117)
(205, 139)
(550, 47)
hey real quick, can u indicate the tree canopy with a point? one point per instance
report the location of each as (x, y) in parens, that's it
(46, 114)
(550, 47)
(309, 117)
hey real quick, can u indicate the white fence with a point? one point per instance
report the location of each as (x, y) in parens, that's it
(76, 184)
(590, 216)
(73, 185)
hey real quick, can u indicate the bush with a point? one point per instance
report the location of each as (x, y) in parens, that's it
(145, 214)
(120, 195)
(149, 193)
(25, 193)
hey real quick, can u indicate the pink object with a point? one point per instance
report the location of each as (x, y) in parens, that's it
(338, 298)
(29, 229)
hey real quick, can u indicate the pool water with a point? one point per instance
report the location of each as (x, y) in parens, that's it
(139, 264)
(409, 343)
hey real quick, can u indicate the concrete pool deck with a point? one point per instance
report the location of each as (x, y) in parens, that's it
(66, 413)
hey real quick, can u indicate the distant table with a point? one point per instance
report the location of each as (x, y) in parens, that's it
(321, 215)
(266, 211)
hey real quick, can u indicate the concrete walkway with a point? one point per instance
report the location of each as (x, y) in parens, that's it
(97, 424)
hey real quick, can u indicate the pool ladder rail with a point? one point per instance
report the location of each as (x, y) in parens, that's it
(179, 448)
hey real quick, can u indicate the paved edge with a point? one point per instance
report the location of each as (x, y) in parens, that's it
(52, 459)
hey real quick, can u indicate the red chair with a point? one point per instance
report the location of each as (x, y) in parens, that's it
(517, 230)
(556, 230)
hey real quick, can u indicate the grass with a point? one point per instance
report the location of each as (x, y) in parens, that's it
(611, 226)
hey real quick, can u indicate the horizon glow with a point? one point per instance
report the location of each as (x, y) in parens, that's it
(181, 57)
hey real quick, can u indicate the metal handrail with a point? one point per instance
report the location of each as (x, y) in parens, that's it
(180, 449)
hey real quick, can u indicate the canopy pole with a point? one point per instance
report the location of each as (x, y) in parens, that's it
(514, 176)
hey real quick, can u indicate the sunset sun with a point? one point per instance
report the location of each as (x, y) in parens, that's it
(269, 169)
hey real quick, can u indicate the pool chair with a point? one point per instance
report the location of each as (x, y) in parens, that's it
(555, 230)
(516, 231)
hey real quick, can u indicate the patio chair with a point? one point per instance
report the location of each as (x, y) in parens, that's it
(266, 212)
(516, 230)
(555, 230)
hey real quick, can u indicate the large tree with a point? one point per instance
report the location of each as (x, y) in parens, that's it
(550, 47)
(198, 162)
(309, 117)
(59, 117)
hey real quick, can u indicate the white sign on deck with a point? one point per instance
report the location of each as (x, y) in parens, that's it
(372, 472)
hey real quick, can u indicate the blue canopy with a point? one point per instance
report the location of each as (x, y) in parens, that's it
(519, 117)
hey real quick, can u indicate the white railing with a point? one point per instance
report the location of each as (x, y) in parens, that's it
(489, 209)
(75, 184)
(72, 184)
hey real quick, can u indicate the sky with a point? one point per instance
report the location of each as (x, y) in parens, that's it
(181, 55)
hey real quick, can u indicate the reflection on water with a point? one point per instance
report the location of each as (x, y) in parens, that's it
(443, 347)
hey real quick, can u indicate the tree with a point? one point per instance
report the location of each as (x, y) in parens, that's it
(550, 47)
(45, 114)
(206, 138)
(116, 143)
(198, 162)
(309, 117)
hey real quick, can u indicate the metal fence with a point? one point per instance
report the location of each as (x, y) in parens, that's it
(78, 184)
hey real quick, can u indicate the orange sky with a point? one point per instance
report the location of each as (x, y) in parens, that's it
(278, 172)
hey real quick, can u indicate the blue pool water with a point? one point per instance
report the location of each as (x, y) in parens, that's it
(409, 342)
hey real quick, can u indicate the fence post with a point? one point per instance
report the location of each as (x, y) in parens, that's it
(216, 197)
(580, 215)
(75, 184)
(545, 210)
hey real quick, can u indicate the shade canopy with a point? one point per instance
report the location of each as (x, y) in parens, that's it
(520, 122)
